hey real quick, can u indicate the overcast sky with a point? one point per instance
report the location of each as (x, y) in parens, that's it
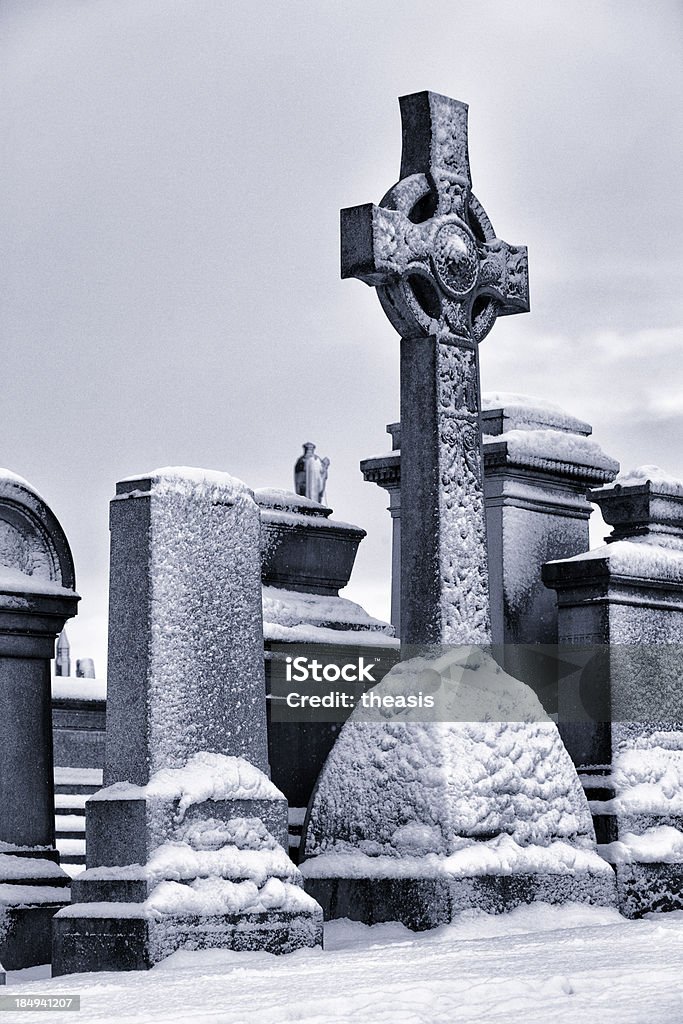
(171, 179)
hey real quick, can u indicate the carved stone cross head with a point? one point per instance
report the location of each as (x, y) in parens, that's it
(429, 248)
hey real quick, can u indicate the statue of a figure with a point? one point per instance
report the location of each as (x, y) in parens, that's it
(310, 474)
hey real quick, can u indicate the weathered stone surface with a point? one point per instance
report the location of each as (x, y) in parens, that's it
(426, 903)
(185, 630)
(137, 943)
(483, 788)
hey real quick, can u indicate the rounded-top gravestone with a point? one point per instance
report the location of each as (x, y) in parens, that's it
(37, 596)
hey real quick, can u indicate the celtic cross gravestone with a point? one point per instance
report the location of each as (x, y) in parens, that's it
(443, 278)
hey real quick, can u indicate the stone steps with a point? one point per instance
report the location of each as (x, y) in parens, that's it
(73, 786)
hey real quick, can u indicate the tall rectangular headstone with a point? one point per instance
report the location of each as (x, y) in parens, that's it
(185, 843)
(185, 631)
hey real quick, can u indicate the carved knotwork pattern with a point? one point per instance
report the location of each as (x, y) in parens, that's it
(462, 556)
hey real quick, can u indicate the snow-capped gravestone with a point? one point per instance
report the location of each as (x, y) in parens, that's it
(185, 843)
(621, 606)
(473, 801)
(37, 596)
(416, 820)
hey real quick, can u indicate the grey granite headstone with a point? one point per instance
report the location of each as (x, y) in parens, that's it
(185, 842)
(37, 596)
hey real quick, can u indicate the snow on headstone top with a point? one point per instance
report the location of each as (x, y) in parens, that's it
(541, 447)
(291, 608)
(273, 497)
(13, 478)
(186, 480)
(206, 776)
(503, 411)
(659, 480)
(13, 581)
(638, 557)
(491, 763)
(78, 688)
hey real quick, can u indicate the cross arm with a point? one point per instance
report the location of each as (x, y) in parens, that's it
(504, 276)
(378, 244)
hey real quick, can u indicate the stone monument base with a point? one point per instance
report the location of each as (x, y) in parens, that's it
(89, 938)
(649, 888)
(423, 903)
(32, 889)
(194, 860)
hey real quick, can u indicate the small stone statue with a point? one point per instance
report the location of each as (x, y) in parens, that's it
(310, 474)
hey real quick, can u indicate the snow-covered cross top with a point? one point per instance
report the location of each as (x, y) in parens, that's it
(442, 277)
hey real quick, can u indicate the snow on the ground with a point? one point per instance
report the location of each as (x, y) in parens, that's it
(535, 965)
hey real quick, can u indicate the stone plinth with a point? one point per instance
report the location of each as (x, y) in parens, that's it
(37, 596)
(185, 841)
(621, 712)
(418, 818)
(303, 549)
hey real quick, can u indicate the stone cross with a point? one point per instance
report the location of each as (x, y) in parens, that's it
(442, 278)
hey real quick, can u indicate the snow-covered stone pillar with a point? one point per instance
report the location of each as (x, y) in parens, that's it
(622, 713)
(37, 596)
(185, 668)
(185, 843)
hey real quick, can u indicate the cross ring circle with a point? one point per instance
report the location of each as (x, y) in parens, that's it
(455, 259)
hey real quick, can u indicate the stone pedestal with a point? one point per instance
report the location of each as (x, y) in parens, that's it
(417, 820)
(37, 596)
(538, 464)
(621, 608)
(185, 843)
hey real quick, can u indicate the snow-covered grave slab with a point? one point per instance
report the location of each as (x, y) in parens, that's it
(185, 844)
(479, 807)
